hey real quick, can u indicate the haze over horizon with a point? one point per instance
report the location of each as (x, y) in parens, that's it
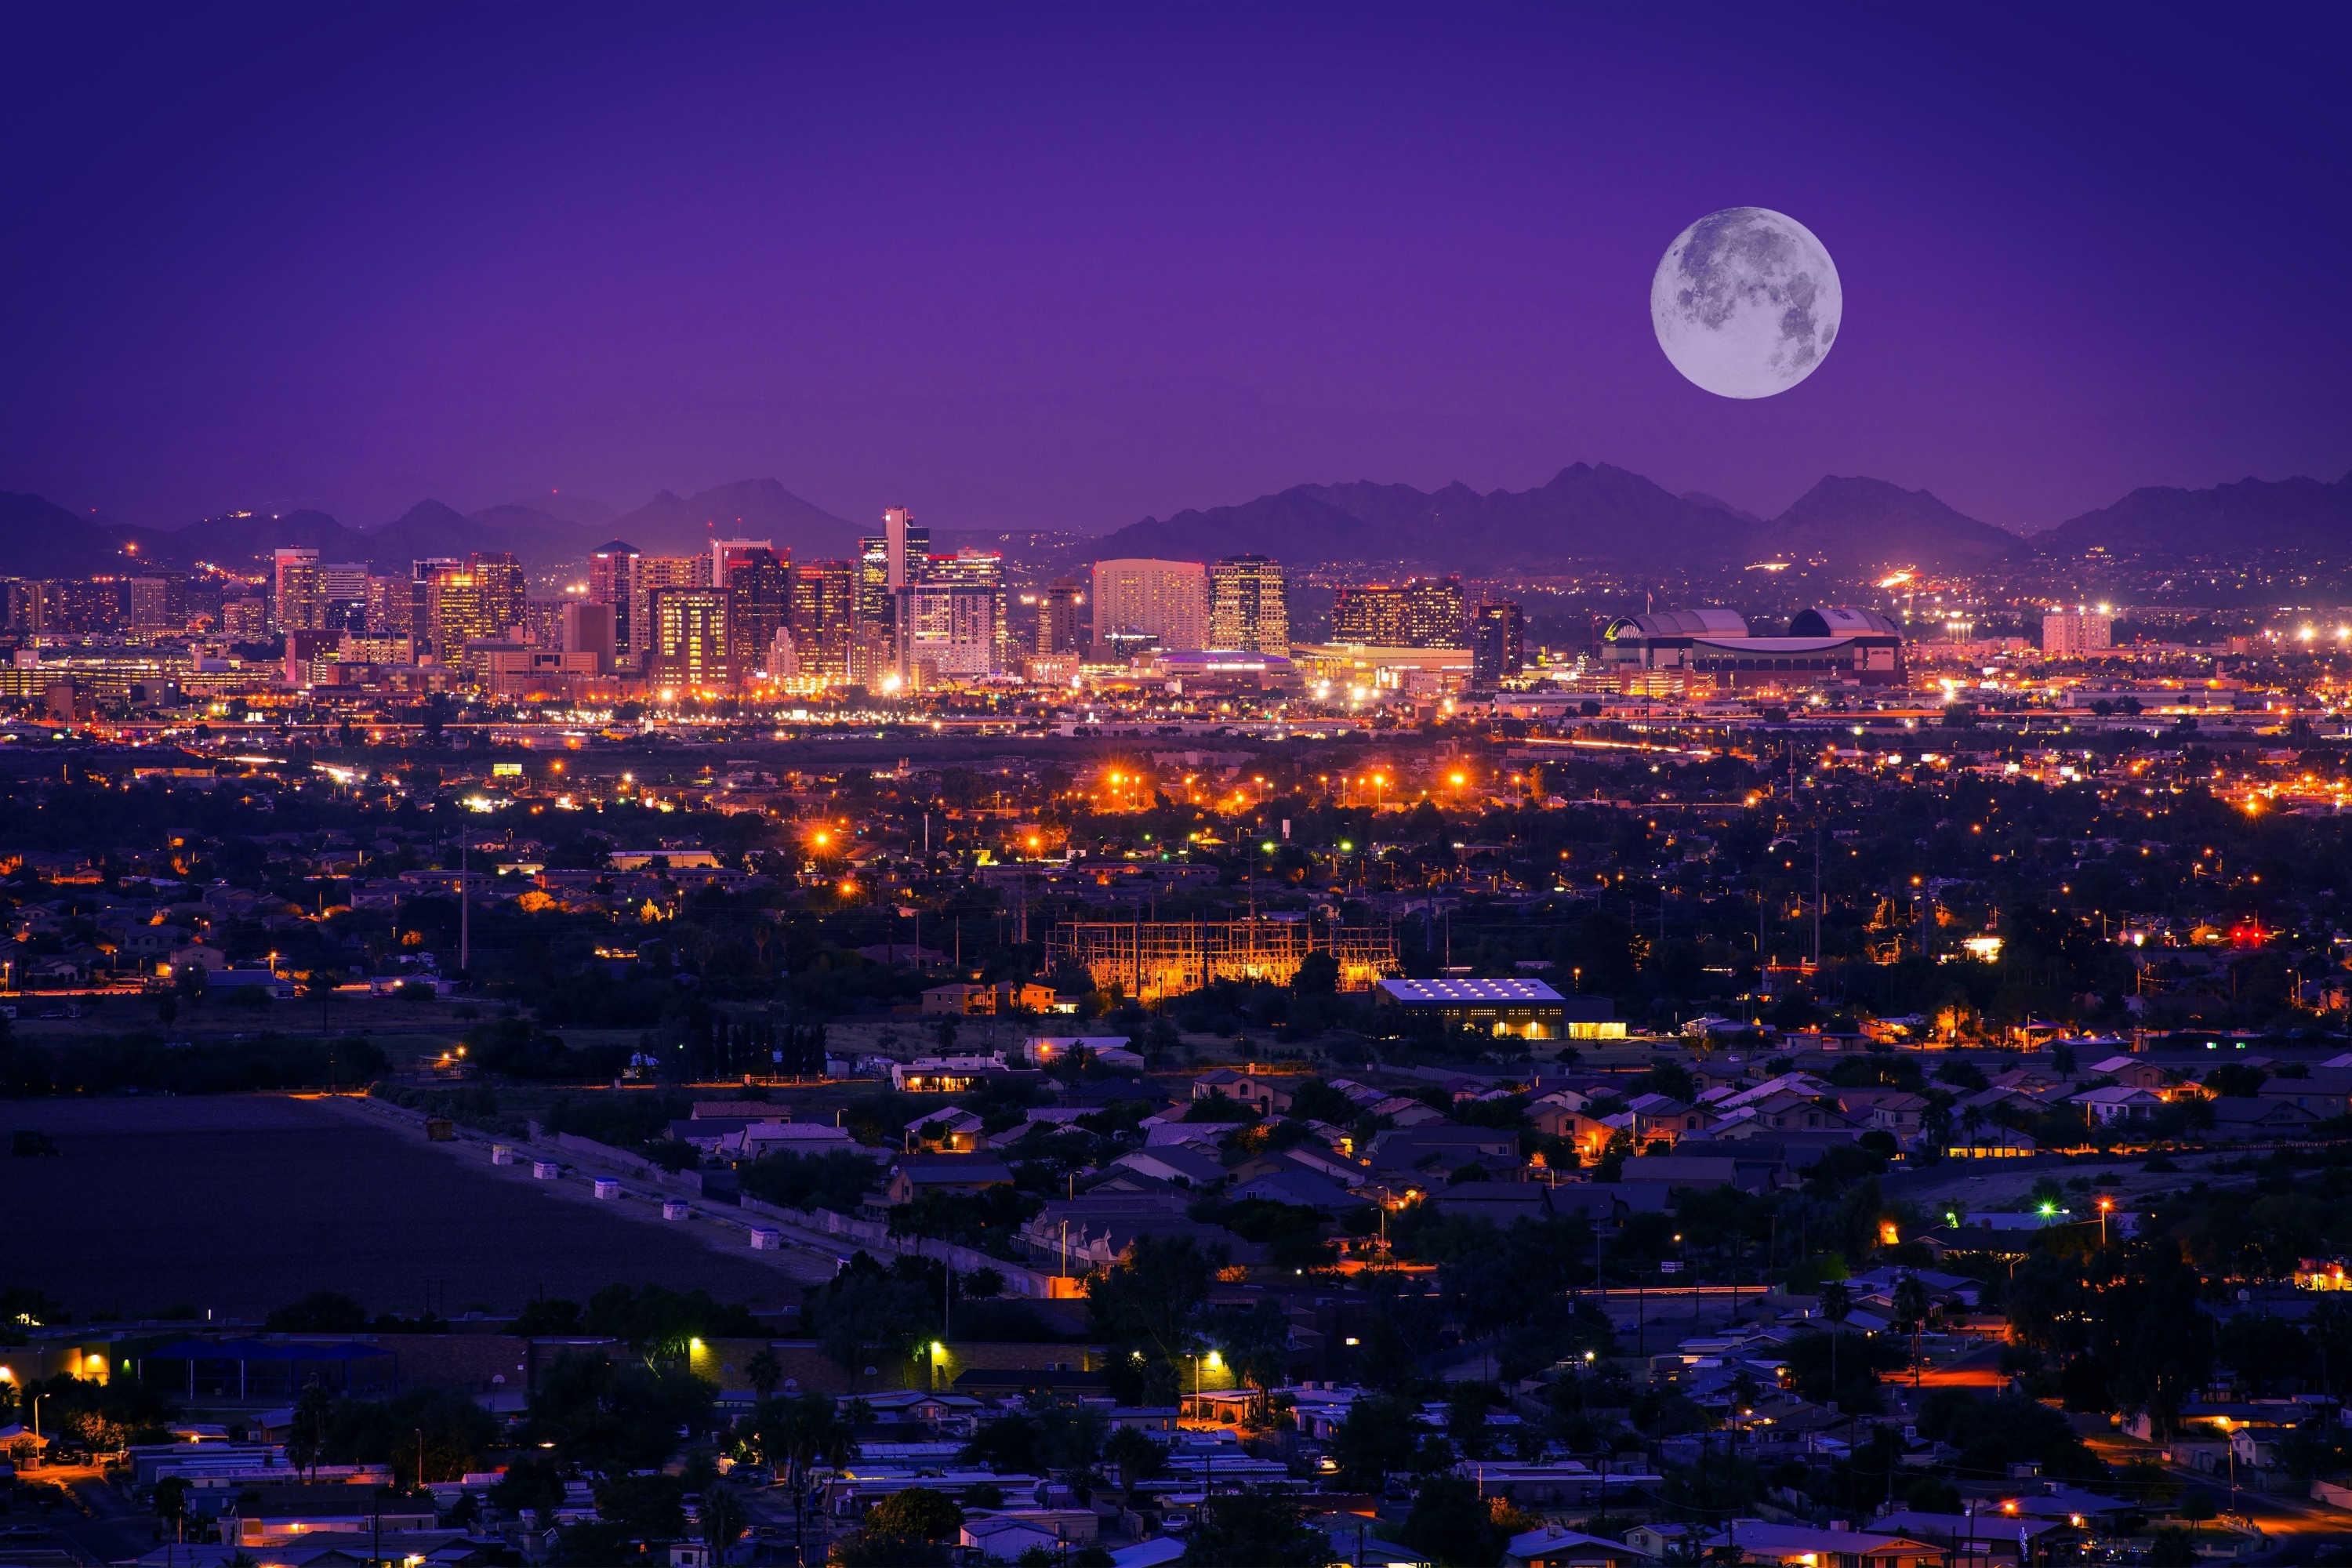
(1067, 269)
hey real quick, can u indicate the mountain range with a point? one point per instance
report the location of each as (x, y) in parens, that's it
(40, 539)
(1587, 511)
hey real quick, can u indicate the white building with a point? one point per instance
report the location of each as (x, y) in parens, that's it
(1166, 600)
(2078, 632)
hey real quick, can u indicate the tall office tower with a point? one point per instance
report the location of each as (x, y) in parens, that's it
(726, 552)
(2072, 634)
(825, 609)
(503, 592)
(1248, 611)
(28, 608)
(1434, 612)
(246, 619)
(343, 596)
(457, 610)
(904, 543)
(653, 574)
(949, 629)
(1062, 617)
(387, 610)
(758, 601)
(588, 628)
(542, 622)
(1498, 643)
(294, 589)
(150, 604)
(689, 639)
(980, 571)
(613, 583)
(1425, 612)
(1140, 603)
(874, 581)
(420, 599)
(1373, 614)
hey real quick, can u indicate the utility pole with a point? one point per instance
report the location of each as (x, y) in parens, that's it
(1817, 896)
(465, 869)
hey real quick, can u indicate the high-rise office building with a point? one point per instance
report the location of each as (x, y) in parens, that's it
(1140, 604)
(1248, 611)
(481, 601)
(419, 625)
(1498, 639)
(1433, 613)
(1425, 612)
(759, 602)
(613, 583)
(653, 574)
(974, 571)
(148, 605)
(689, 643)
(588, 628)
(343, 596)
(824, 610)
(1062, 617)
(950, 630)
(725, 554)
(903, 542)
(294, 589)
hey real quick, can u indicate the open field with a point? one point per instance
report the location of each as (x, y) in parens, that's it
(240, 1203)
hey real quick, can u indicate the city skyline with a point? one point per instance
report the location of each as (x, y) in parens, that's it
(1137, 263)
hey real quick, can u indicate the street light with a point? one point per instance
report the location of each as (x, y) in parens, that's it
(2104, 1204)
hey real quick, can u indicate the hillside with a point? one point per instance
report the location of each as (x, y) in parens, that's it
(1864, 523)
(2228, 519)
(754, 509)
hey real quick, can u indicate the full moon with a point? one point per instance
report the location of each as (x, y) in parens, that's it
(1745, 303)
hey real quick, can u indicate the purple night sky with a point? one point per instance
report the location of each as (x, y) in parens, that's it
(1062, 266)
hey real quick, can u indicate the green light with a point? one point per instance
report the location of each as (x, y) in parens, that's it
(1344, 844)
(1267, 847)
(2049, 1208)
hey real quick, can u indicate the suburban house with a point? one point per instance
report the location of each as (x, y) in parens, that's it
(1261, 1094)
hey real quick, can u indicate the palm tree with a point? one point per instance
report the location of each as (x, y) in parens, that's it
(1837, 1305)
(765, 1372)
(1911, 1309)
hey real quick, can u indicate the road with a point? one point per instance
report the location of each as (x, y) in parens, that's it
(99, 1526)
(2273, 1513)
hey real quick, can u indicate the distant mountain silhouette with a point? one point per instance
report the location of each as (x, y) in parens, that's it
(578, 510)
(2228, 519)
(750, 509)
(39, 538)
(1869, 522)
(1588, 511)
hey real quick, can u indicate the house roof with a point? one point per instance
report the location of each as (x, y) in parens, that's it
(1517, 992)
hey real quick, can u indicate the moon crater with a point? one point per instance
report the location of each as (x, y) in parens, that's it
(1745, 303)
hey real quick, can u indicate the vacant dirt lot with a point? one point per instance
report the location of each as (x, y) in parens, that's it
(241, 1204)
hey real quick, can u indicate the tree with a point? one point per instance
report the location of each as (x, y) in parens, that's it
(1147, 1309)
(319, 1312)
(532, 1484)
(1911, 1309)
(652, 1507)
(764, 1372)
(724, 1521)
(1375, 1441)
(308, 1433)
(321, 983)
(1135, 1456)
(798, 1431)
(1837, 1306)
(918, 1511)
(1255, 1342)
(1451, 1524)
(1254, 1529)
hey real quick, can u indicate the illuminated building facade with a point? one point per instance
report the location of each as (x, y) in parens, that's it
(1498, 643)
(1247, 610)
(294, 589)
(613, 583)
(824, 610)
(1147, 960)
(1824, 644)
(1142, 604)
(689, 643)
(759, 604)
